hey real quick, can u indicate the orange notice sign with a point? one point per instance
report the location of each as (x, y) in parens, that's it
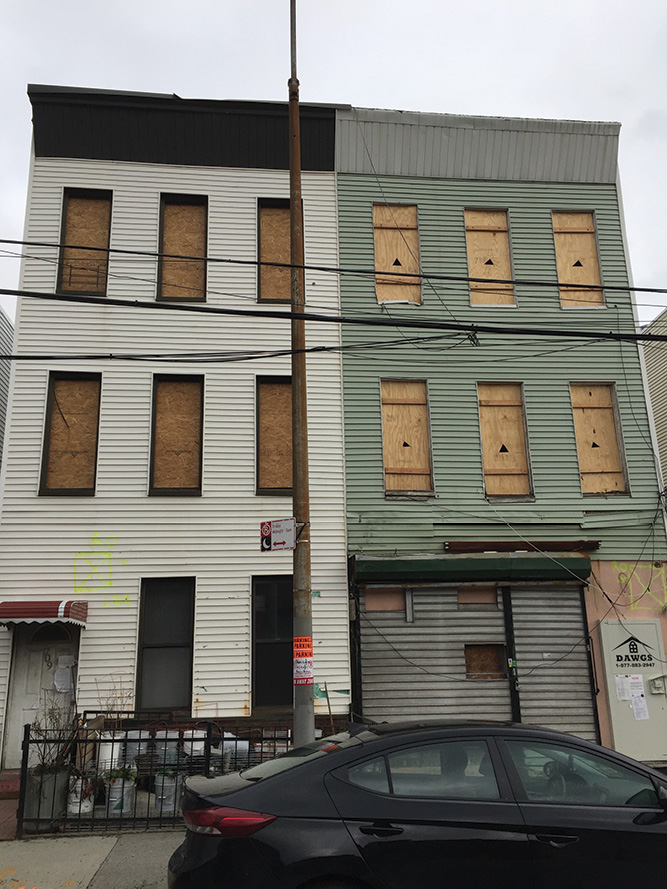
(303, 660)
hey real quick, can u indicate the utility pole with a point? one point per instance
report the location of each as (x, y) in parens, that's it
(304, 710)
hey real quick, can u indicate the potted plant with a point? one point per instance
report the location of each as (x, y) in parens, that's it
(51, 735)
(120, 788)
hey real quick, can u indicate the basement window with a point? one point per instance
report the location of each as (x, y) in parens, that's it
(503, 432)
(487, 239)
(274, 435)
(183, 233)
(396, 250)
(86, 223)
(406, 437)
(176, 458)
(577, 260)
(601, 464)
(274, 245)
(485, 662)
(71, 435)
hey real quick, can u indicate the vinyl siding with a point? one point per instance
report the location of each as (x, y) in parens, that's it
(215, 537)
(452, 366)
(656, 373)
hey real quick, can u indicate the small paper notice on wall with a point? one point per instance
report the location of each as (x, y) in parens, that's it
(62, 679)
(639, 705)
(622, 687)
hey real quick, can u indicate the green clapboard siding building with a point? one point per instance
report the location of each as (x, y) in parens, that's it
(502, 496)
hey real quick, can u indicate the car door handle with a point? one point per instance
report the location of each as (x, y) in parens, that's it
(381, 830)
(556, 841)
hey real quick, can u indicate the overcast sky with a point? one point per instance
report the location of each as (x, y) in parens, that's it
(572, 59)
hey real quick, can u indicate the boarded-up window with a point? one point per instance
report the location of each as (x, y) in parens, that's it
(384, 599)
(487, 239)
(577, 259)
(396, 250)
(86, 224)
(177, 435)
(70, 443)
(485, 662)
(274, 246)
(405, 436)
(600, 461)
(506, 472)
(477, 597)
(183, 233)
(274, 435)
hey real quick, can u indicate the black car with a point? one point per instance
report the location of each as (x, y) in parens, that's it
(420, 805)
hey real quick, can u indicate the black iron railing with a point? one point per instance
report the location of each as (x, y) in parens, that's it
(118, 771)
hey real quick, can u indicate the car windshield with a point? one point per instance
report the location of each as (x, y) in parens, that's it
(321, 747)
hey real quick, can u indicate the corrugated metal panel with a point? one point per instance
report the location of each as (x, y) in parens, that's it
(552, 658)
(6, 343)
(397, 143)
(413, 670)
(417, 670)
(214, 537)
(453, 366)
(656, 373)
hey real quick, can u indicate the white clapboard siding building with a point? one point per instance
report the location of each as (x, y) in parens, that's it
(134, 485)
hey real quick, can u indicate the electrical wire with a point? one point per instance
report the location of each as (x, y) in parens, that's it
(258, 312)
(337, 270)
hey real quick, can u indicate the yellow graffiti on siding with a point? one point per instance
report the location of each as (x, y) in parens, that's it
(93, 569)
(640, 586)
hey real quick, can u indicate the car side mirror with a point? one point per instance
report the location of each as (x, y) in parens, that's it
(662, 797)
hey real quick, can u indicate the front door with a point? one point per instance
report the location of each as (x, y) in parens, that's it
(43, 674)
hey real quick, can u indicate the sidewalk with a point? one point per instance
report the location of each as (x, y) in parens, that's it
(122, 861)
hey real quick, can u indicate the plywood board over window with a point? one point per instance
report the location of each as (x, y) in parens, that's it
(485, 662)
(71, 434)
(86, 224)
(601, 464)
(577, 259)
(183, 233)
(274, 246)
(487, 239)
(502, 422)
(177, 435)
(406, 437)
(396, 250)
(274, 435)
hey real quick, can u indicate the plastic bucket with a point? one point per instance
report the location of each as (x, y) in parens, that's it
(166, 746)
(194, 743)
(167, 793)
(120, 796)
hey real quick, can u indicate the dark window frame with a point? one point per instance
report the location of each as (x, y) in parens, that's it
(278, 579)
(279, 203)
(193, 200)
(45, 491)
(91, 193)
(192, 581)
(270, 492)
(176, 492)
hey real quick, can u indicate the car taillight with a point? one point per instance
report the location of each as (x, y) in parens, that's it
(225, 822)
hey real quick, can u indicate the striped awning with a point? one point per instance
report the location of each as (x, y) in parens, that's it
(33, 611)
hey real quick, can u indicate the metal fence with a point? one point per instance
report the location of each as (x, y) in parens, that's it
(104, 776)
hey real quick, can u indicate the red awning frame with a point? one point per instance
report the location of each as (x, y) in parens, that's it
(50, 611)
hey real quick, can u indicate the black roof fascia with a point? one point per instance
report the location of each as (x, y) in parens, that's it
(165, 129)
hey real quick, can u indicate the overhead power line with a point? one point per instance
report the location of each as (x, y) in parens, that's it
(338, 270)
(287, 315)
